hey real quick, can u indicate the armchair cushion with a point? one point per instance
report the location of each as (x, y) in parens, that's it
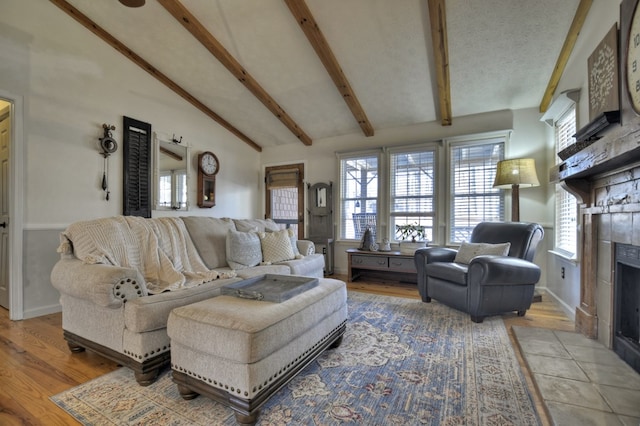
(468, 251)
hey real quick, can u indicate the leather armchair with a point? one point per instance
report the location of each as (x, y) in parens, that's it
(489, 284)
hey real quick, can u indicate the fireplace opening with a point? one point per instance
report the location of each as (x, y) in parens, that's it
(626, 337)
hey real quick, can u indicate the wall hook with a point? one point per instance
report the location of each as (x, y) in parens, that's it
(174, 140)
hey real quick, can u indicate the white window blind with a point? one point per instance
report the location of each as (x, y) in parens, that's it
(566, 236)
(472, 170)
(413, 189)
(358, 195)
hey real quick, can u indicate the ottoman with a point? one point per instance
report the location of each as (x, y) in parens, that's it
(240, 352)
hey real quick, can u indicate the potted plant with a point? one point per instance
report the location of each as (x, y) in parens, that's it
(411, 237)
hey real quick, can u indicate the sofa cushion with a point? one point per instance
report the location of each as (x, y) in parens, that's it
(243, 249)
(209, 235)
(448, 271)
(276, 246)
(256, 225)
(468, 251)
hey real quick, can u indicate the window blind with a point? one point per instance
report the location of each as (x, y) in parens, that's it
(566, 234)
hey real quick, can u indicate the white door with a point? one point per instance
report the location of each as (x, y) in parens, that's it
(5, 139)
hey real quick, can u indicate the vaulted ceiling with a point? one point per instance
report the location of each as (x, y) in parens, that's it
(278, 72)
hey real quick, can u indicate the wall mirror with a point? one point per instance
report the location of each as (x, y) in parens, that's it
(171, 174)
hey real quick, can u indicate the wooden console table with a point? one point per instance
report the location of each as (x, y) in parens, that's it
(391, 265)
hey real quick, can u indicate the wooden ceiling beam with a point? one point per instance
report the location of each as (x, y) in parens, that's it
(191, 23)
(135, 58)
(438, 21)
(310, 27)
(565, 53)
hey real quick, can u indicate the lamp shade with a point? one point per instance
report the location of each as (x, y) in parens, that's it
(519, 171)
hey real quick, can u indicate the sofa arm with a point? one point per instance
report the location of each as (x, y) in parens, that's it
(306, 247)
(502, 270)
(104, 285)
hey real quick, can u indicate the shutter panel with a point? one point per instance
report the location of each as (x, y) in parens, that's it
(137, 167)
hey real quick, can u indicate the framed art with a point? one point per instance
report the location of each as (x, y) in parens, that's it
(603, 73)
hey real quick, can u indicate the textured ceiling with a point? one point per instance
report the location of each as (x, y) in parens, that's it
(501, 56)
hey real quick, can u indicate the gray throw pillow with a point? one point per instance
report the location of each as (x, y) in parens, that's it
(468, 251)
(243, 249)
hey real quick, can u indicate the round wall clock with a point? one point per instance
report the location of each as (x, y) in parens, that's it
(632, 65)
(209, 163)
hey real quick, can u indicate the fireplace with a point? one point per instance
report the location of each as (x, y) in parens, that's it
(626, 308)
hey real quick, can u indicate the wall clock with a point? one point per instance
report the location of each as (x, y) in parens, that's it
(630, 53)
(208, 167)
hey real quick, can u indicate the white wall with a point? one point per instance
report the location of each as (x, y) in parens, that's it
(71, 83)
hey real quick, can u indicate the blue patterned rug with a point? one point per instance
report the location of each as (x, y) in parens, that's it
(401, 362)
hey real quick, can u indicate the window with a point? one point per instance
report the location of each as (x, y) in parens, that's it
(359, 195)
(419, 185)
(472, 170)
(566, 237)
(413, 179)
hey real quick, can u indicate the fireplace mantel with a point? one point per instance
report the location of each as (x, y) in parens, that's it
(604, 177)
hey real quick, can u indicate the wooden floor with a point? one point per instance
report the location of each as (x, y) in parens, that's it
(35, 362)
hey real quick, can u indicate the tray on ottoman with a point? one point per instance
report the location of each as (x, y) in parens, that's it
(270, 287)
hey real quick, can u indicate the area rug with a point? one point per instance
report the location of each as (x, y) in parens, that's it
(401, 362)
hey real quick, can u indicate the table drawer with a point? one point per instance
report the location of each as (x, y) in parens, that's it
(369, 262)
(402, 264)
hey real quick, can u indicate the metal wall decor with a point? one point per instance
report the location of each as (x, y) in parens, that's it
(108, 146)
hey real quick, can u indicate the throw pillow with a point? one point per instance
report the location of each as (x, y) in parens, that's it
(276, 246)
(243, 249)
(468, 251)
(294, 244)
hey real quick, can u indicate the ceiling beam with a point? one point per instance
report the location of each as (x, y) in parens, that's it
(565, 52)
(310, 27)
(191, 23)
(120, 47)
(438, 21)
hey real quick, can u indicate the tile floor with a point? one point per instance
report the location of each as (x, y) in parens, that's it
(580, 380)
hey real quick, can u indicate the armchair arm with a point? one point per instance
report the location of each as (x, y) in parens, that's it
(502, 270)
(104, 285)
(427, 255)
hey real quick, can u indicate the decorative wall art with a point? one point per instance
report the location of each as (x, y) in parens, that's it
(603, 76)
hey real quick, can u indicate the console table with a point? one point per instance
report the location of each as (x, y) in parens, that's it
(391, 265)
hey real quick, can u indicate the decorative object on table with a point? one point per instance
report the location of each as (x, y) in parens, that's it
(367, 242)
(516, 173)
(208, 167)
(630, 59)
(383, 370)
(411, 237)
(109, 146)
(386, 245)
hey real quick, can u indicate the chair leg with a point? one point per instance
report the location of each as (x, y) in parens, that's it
(521, 313)
(426, 299)
(477, 319)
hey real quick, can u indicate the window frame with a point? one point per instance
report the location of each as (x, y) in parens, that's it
(562, 196)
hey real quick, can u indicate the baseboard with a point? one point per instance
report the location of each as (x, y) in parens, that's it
(42, 310)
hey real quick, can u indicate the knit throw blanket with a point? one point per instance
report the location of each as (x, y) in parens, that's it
(160, 249)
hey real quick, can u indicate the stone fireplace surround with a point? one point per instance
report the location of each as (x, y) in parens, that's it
(605, 178)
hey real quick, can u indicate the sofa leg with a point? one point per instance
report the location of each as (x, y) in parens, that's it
(426, 299)
(250, 419)
(477, 319)
(75, 348)
(145, 379)
(521, 313)
(186, 393)
(336, 343)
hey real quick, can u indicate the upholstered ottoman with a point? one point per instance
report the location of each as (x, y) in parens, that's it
(240, 352)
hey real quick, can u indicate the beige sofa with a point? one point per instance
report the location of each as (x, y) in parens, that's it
(119, 278)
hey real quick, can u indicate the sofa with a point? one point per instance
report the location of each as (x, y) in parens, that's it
(120, 277)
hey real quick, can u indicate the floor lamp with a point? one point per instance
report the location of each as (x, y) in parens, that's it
(516, 173)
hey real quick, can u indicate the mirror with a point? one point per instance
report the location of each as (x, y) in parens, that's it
(171, 175)
(321, 197)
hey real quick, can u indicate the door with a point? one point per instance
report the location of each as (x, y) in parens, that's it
(285, 196)
(5, 139)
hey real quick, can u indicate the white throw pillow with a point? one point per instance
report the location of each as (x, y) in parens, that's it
(276, 246)
(468, 251)
(243, 249)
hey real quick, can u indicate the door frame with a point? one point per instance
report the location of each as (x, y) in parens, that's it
(302, 222)
(16, 204)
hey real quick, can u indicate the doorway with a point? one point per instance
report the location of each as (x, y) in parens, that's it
(5, 146)
(284, 186)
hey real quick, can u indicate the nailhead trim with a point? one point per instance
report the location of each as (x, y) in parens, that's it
(255, 389)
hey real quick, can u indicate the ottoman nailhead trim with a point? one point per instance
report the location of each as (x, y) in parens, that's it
(282, 371)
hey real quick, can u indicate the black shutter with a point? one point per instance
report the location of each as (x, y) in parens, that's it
(137, 167)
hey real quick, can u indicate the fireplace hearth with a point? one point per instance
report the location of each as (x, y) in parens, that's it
(626, 308)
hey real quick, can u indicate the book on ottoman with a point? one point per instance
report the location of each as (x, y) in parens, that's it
(270, 287)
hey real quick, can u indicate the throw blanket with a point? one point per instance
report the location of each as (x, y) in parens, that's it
(161, 249)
